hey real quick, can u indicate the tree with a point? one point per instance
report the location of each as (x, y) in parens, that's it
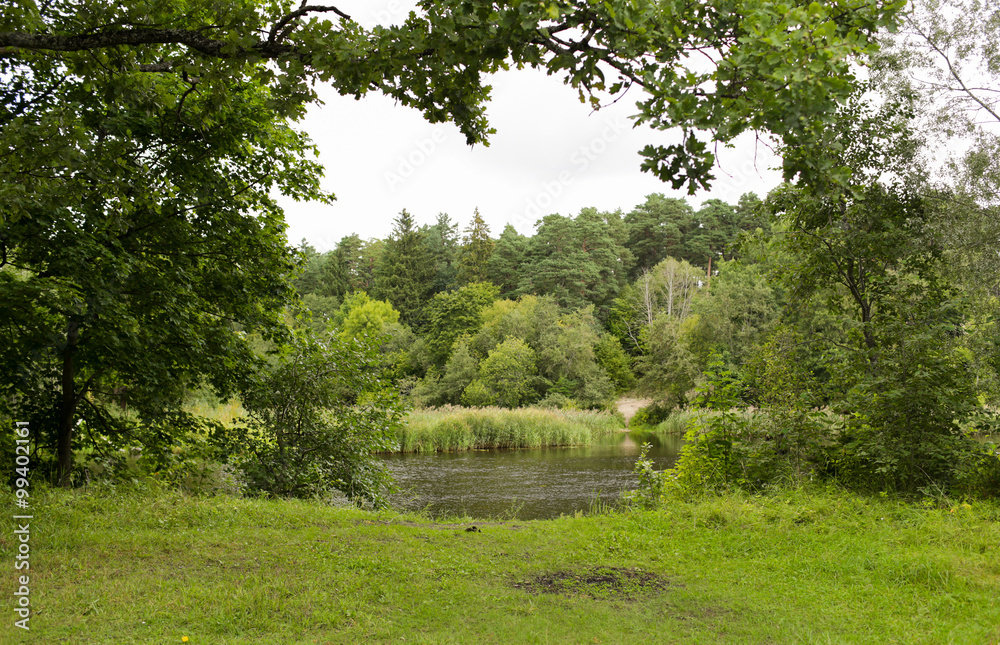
(506, 376)
(507, 261)
(668, 288)
(474, 255)
(404, 274)
(360, 317)
(442, 246)
(143, 246)
(781, 72)
(943, 61)
(871, 252)
(656, 229)
(149, 127)
(316, 421)
(453, 314)
(578, 261)
(740, 309)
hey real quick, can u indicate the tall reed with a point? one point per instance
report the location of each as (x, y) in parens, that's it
(454, 428)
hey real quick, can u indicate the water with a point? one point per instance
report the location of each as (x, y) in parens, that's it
(527, 484)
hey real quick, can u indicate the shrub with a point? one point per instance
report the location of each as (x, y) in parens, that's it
(316, 420)
(651, 415)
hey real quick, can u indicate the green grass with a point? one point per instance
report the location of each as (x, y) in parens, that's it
(795, 567)
(454, 428)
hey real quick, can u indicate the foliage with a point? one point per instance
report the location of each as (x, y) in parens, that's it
(404, 274)
(656, 230)
(729, 448)
(507, 377)
(455, 313)
(506, 264)
(315, 421)
(146, 247)
(615, 362)
(651, 415)
(668, 367)
(790, 393)
(577, 261)
(474, 254)
(741, 307)
(903, 432)
(668, 288)
(648, 493)
(441, 238)
(446, 389)
(781, 72)
(360, 316)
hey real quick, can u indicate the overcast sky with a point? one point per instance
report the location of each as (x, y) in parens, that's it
(550, 154)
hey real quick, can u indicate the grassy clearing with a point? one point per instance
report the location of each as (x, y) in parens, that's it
(795, 567)
(454, 428)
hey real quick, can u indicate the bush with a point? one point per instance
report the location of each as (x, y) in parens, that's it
(316, 420)
(903, 421)
(507, 377)
(651, 415)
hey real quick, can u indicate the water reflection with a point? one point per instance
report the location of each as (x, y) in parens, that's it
(534, 484)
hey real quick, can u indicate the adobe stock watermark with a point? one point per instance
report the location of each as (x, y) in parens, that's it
(22, 518)
(392, 11)
(579, 161)
(407, 164)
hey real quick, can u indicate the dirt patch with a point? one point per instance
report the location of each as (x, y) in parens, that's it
(629, 407)
(602, 583)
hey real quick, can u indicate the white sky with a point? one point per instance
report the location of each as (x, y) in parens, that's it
(550, 154)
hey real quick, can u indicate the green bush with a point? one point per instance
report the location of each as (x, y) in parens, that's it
(316, 420)
(651, 415)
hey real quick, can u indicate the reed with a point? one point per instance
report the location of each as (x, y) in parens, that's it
(455, 428)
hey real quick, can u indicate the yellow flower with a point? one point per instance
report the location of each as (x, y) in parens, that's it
(184, 639)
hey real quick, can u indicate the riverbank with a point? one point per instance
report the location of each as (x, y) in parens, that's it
(825, 566)
(456, 428)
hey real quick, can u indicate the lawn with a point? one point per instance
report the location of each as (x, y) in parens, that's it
(821, 566)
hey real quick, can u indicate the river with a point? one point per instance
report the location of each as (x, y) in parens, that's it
(527, 484)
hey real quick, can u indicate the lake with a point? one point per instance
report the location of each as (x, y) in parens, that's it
(527, 484)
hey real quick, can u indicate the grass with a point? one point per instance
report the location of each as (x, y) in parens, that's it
(680, 422)
(795, 567)
(454, 428)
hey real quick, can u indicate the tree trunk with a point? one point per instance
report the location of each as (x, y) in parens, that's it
(67, 411)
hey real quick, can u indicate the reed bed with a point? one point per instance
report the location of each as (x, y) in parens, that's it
(454, 428)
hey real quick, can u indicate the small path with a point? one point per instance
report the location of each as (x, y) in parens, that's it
(629, 407)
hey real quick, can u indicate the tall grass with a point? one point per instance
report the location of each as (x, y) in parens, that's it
(681, 421)
(454, 428)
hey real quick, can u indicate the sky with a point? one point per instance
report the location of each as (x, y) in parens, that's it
(550, 154)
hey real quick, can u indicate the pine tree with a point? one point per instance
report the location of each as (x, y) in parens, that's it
(474, 256)
(441, 238)
(404, 275)
(506, 264)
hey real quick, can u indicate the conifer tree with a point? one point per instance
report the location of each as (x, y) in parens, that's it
(474, 256)
(404, 274)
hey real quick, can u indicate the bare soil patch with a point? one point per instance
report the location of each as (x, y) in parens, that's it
(629, 407)
(602, 583)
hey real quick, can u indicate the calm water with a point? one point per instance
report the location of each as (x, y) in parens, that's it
(536, 484)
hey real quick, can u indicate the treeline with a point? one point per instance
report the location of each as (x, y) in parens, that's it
(567, 317)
